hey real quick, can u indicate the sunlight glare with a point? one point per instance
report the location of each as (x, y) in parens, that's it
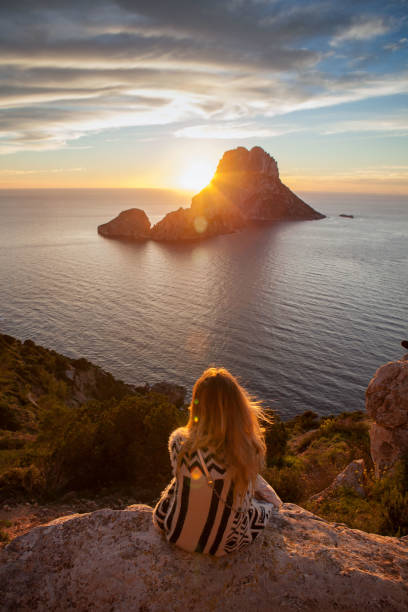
(196, 174)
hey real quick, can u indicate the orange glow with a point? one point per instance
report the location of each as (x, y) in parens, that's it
(200, 224)
(196, 175)
(196, 473)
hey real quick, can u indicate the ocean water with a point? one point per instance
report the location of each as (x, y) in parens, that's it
(303, 312)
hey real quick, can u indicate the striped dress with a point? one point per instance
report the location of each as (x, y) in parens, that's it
(202, 518)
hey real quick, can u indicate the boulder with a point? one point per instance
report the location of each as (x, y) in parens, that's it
(387, 406)
(114, 560)
(351, 477)
(133, 224)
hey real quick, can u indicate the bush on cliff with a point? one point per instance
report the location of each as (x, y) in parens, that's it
(384, 510)
(111, 444)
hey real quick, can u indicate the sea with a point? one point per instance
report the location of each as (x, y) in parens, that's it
(302, 312)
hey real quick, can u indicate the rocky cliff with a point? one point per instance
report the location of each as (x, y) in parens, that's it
(248, 181)
(245, 188)
(114, 560)
(387, 405)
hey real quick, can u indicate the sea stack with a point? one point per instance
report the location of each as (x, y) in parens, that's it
(133, 224)
(245, 188)
(249, 182)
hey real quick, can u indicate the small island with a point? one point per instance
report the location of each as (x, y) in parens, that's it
(245, 188)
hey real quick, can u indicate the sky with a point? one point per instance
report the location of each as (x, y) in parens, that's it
(150, 93)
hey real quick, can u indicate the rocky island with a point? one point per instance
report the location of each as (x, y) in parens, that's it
(245, 188)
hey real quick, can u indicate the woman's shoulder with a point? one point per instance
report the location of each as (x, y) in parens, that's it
(177, 438)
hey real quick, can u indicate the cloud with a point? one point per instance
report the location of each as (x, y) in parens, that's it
(363, 29)
(399, 125)
(402, 43)
(215, 67)
(232, 131)
(14, 172)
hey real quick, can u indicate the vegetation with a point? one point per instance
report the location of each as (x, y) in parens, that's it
(67, 426)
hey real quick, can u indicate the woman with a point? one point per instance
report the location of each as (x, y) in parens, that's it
(217, 502)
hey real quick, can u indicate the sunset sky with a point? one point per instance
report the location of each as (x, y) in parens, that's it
(151, 93)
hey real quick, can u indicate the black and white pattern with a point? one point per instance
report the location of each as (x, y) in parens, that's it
(203, 518)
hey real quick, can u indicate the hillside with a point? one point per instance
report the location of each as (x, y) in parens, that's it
(73, 438)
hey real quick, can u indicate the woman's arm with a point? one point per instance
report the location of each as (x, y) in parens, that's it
(177, 437)
(265, 492)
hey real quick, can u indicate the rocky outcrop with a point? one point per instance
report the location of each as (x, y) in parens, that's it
(133, 224)
(246, 187)
(115, 560)
(351, 477)
(387, 405)
(248, 182)
(189, 224)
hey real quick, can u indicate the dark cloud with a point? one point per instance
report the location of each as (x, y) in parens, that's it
(74, 65)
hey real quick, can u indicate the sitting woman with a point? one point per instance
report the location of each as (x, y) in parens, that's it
(217, 502)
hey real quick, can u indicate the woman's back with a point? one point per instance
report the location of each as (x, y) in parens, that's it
(202, 517)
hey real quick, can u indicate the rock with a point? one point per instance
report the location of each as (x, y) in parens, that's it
(246, 187)
(188, 224)
(387, 406)
(115, 560)
(351, 477)
(248, 182)
(132, 223)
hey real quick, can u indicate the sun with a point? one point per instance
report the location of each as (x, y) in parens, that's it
(196, 175)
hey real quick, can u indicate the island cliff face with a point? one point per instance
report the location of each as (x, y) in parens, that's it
(249, 182)
(245, 188)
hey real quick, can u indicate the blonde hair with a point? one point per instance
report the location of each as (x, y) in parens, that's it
(224, 418)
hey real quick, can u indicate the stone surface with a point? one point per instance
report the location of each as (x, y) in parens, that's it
(133, 224)
(351, 477)
(114, 560)
(387, 406)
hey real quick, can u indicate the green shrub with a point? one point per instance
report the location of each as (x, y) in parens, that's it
(392, 492)
(287, 482)
(276, 438)
(304, 422)
(112, 443)
(21, 481)
(9, 417)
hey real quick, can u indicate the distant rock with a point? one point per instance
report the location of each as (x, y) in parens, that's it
(346, 216)
(245, 188)
(132, 223)
(387, 405)
(114, 560)
(248, 182)
(351, 477)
